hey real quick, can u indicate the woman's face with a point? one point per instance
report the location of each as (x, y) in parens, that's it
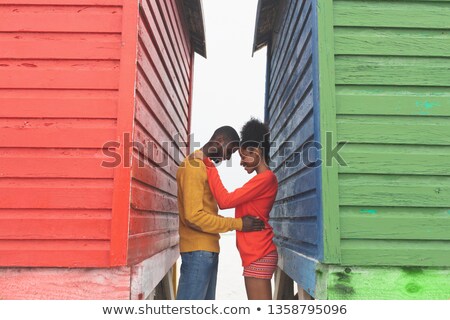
(250, 158)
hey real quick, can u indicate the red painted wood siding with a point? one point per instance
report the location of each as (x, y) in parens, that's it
(163, 94)
(69, 83)
(65, 283)
(59, 82)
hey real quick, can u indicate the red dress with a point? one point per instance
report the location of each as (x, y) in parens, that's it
(255, 198)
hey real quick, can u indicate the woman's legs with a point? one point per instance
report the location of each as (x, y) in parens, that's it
(258, 289)
(258, 277)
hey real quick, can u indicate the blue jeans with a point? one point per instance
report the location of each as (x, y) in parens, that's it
(198, 275)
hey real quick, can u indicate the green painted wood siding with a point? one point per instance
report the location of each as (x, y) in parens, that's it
(392, 74)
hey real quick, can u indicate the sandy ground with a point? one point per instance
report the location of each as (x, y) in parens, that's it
(230, 282)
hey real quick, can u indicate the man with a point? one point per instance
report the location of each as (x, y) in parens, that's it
(200, 223)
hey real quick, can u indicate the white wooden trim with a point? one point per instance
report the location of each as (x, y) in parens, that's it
(148, 274)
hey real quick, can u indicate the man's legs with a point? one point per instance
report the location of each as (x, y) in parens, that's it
(198, 275)
(211, 292)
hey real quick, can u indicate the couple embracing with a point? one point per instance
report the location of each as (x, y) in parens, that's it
(200, 192)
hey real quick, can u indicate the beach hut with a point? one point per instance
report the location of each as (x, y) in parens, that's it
(358, 103)
(95, 102)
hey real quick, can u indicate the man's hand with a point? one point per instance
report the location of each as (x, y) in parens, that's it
(251, 223)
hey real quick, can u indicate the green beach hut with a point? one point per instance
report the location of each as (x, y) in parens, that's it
(358, 103)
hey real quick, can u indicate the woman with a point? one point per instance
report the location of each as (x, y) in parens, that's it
(258, 252)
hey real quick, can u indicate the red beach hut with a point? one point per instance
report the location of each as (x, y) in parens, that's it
(95, 101)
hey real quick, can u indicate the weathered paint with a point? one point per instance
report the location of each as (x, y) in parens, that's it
(306, 271)
(60, 87)
(384, 92)
(65, 284)
(107, 96)
(381, 283)
(164, 60)
(120, 283)
(398, 150)
(146, 275)
(291, 117)
(327, 106)
(122, 173)
(369, 211)
(75, 75)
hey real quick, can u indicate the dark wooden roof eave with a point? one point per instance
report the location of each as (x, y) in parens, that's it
(265, 19)
(193, 13)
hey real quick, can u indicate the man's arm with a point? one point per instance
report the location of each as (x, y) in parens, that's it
(192, 185)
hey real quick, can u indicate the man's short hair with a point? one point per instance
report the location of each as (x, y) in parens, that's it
(226, 132)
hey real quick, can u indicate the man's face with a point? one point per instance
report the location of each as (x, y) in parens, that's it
(222, 150)
(229, 149)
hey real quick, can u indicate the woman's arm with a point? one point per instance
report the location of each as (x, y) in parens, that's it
(249, 191)
(192, 183)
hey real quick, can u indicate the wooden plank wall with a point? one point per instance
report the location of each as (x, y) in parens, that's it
(393, 105)
(291, 118)
(65, 283)
(165, 61)
(59, 78)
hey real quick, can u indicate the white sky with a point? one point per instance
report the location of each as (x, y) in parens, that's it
(229, 85)
(229, 88)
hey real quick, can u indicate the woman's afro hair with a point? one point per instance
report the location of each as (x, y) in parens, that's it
(255, 133)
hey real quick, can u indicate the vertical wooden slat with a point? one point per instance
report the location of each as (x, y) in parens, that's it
(122, 175)
(191, 86)
(330, 192)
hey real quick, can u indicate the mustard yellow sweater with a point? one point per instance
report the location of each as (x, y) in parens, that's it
(200, 223)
